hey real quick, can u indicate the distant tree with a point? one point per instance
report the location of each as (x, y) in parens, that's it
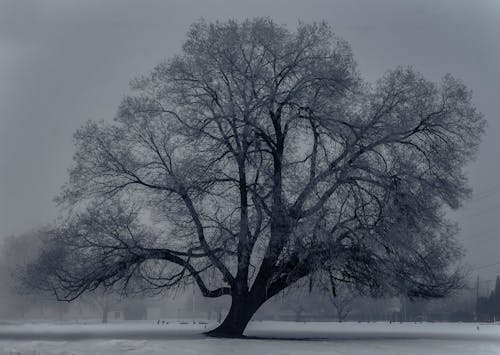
(104, 301)
(454, 308)
(495, 300)
(257, 157)
(296, 302)
(16, 252)
(300, 299)
(134, 309)
(488, 308)
(342, 296)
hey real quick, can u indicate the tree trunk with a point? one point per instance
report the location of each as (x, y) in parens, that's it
(298, 315)
(241, 311)
(105, 312)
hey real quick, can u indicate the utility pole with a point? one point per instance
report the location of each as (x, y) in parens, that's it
(402, 308)
(477, 299)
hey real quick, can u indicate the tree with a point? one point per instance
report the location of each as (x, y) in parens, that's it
(300, 299)
(297, 302)
(488, 308)
(16, 251)
(342, 296)
(259, 156)
(103, 301)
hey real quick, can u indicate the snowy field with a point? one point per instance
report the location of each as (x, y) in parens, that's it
(273, 338)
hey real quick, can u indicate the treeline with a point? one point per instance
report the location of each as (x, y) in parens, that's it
(488, 308)
(300, 303)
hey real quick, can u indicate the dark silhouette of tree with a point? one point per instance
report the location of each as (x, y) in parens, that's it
(105, 302)
(301, 299)
(495, 300)
(17, 251)
(258, 156)
(488, 308)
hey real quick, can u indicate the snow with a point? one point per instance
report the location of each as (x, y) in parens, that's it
(289, 338)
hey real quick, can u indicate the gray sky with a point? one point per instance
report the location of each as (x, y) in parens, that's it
(63, 62)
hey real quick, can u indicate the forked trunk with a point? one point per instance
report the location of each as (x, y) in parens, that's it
(241, 311)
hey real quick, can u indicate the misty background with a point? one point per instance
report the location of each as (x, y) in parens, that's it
(64, 62)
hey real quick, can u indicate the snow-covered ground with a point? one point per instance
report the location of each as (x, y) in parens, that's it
(282, 338)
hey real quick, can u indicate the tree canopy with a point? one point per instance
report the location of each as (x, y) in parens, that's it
(259, 156)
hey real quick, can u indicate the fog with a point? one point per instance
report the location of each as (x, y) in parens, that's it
(64, 62)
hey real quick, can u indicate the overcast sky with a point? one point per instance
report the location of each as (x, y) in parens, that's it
(64, 62)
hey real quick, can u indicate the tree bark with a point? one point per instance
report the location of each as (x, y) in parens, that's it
(241, 311)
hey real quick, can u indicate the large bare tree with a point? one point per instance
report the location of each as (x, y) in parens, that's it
(258, 156)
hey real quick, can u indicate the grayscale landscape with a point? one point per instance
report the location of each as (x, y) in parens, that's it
(243, 177)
